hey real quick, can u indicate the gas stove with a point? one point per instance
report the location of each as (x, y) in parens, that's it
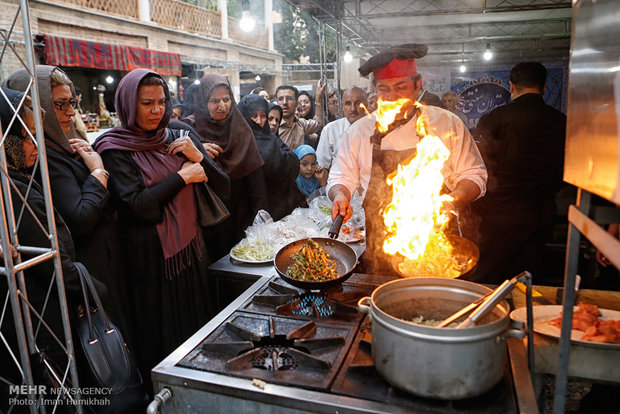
(281, 349)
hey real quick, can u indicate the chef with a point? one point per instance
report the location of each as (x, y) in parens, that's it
(366, 156)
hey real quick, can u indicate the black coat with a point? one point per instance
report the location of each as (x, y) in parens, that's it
(38, 280)
(522, 144)
(163, 312)
(247, 196)
(281, 164)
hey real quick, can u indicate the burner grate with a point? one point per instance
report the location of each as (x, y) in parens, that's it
(274, 358)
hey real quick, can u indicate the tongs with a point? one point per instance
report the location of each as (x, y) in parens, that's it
(334, 230)
(483, 305)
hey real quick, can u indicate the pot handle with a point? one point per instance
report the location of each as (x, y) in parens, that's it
(516, 330)
(363, 305)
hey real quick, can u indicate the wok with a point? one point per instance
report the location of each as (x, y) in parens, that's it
(465, 249)
(344, 255)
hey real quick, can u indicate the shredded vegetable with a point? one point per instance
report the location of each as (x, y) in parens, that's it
(254, 251)
(312, 264)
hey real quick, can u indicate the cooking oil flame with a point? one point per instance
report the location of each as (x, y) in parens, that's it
(416, 218)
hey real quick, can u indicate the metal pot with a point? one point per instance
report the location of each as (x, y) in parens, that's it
(432, 362)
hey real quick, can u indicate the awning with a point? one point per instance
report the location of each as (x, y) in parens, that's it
(62, 51)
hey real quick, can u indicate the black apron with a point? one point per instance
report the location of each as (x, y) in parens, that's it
(378, 196)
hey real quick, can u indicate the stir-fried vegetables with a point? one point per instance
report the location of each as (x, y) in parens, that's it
(312, 264)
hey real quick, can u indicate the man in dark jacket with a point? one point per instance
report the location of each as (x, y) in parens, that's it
(522, 144)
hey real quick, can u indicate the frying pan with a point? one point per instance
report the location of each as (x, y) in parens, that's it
(343, 254)
(462, 247)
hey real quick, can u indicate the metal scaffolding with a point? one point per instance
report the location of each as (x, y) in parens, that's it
(29, 318)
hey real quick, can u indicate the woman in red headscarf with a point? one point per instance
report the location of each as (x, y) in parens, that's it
(152, 177)
(228, 139)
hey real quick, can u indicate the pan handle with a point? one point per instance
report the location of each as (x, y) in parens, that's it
(334, 230)
(363, 305)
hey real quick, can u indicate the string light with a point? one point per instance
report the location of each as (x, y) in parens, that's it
(247, 22)
(488, 55)
(348, 57)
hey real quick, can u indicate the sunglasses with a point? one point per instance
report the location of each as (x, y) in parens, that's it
(64, 104)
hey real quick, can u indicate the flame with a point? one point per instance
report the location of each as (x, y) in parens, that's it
(387, 112)
(415, 219)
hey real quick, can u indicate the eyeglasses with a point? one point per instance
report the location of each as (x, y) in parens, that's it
(286, 98)
(64, 104)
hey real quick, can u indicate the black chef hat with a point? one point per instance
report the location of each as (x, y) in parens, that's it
(397, 61)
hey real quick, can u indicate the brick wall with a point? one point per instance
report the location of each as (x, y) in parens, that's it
(68, 21)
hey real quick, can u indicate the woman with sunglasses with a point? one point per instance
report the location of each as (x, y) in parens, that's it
(78, 182)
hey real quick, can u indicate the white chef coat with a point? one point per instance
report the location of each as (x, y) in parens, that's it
(354, 161)
(331, 137)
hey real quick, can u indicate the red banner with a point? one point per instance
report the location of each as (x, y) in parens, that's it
(61, 51)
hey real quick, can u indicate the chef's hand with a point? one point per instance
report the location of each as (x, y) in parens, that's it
(340, 202)
(213, 150)
(192, 172)
(185, 146)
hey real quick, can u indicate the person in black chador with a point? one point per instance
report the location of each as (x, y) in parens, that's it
(21, 156)
(281, 164)
(522, 144)
(152, 177)
(229, 141)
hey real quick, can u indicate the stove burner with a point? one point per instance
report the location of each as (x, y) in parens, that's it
(274, 358)
(321, 305)
(274, 352)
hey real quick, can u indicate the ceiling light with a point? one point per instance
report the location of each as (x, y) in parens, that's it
(347, 55)
(257, 78)
(247, 22)
(197, 82)
(109, 79)
(488, 55)
(463, 68)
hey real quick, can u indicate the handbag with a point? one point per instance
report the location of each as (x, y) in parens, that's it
(210, 210)
(103, 357)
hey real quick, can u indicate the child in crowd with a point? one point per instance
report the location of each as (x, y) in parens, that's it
(311, 175)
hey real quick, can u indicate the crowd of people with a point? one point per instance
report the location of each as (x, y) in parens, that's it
(126, 207)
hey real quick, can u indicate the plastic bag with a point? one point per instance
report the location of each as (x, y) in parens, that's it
(259, 245)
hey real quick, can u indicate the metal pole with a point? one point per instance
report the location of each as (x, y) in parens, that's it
(20, 332)
(60, 285)
(570, 273)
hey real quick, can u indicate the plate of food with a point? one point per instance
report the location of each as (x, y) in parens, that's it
(592, 326)
(315, 263)
(253, 252)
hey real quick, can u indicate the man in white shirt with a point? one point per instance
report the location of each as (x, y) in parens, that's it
(331, 136)
(366, 157)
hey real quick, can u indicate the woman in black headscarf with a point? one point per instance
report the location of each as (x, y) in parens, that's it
(307, 110)
(305, 105)
(281, 164)
(21, 156)
(79, 183)
(229, 140)
(274, 117)
(152, 177)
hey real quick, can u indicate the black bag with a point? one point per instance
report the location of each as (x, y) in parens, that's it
(209, 208)
(104, 360)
